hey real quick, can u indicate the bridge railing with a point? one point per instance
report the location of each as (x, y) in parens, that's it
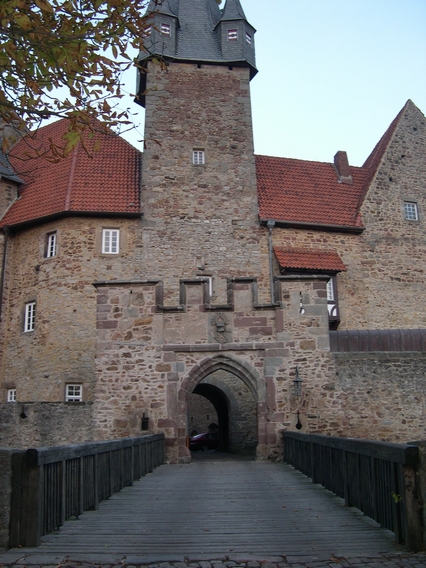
(51, 485)
(378, 478)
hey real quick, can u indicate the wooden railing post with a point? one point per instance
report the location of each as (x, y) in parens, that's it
(32, 501)
(413, 510)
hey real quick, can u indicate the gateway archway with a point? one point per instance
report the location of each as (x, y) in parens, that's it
(237, 392)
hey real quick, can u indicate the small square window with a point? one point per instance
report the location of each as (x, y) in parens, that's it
(11, 395)
(232, 35)
(165, 29)
(73, 393)
(198, 157)
(51, 245)
(29, 316)
(248, 39)
(110, 241)
(411, 212)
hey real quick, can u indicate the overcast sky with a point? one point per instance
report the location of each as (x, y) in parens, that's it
(333, 74)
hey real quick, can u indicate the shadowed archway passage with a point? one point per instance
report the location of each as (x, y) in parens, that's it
(220, 508)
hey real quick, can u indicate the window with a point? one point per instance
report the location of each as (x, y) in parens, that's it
(148, 31)
(411, 212)
(198, 157)
(110, 241)
(248, 38)
(11, 395)
(232, 35)
(51, 245)
(29, 316)
(73, 393)
(332, 304)
(165, 29)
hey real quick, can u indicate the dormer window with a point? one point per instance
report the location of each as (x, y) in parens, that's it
(232, 35)
(165, 29)
(248, 39)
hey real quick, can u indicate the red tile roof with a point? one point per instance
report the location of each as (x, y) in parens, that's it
(108, 182)
(301, 192)
(309, 259)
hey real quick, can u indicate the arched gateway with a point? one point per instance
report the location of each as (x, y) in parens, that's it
(203, 379)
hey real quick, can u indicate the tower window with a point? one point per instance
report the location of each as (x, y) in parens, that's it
(232, 35)
(110, 241)
(411, 212)
(11, 395)
(165, 29)
(73, 393)
(198, 158)
(248, 39)
(29, 316)
(148, 31)
(51, 244)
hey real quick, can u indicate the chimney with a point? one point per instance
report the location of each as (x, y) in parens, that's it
(342, 168)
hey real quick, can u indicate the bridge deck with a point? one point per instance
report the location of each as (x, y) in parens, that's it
(221, 508)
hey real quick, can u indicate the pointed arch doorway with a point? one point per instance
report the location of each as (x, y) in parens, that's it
(236, 392)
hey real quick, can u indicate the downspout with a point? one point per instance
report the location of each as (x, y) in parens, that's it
(271, 224)
(3, 270)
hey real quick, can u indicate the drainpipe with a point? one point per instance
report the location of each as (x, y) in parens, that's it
(3, 270)
(271, 224)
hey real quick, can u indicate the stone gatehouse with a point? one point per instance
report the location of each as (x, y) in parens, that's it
(133, 280)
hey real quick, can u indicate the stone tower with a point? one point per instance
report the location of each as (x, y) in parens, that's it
(198, 177)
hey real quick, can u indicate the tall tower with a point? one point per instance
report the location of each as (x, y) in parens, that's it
(198, 176)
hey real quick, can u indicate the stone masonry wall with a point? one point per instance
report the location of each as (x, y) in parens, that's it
(200, 219)
(42, 424)
(62, 346)
(383, 287)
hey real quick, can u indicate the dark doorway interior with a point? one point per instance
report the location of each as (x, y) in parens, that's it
(220, 403)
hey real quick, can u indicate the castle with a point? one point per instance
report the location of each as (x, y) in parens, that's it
(288, 293)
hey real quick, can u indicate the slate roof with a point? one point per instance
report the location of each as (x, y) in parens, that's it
(6, 170)
(106, 184)
(309, 259)
(197, 36)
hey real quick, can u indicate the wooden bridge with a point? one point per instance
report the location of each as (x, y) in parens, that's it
(218, 505)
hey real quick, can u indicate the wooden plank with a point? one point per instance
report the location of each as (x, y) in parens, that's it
(219, 507)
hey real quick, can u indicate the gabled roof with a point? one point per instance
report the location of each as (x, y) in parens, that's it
(309, 259)
(106, 183)
(301, 192)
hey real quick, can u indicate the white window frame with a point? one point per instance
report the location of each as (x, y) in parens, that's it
(11, 395)
(52, 244)
(73, 392)
(166, 29)
(29, 316)
(232, 35)
(411, 211)
(110, 241)
(198, 157)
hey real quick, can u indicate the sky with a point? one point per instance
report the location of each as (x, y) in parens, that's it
(333, 74)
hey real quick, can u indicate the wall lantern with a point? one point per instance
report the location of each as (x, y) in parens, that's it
(145, 422)
(297, 384)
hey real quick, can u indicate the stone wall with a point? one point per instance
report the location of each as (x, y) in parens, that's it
(383, 287)
(200, 219)
(201, 414)
(61, 348)
(41, 424)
